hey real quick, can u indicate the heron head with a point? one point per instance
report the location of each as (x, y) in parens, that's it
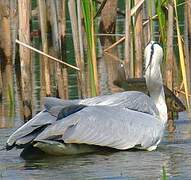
(153, 54)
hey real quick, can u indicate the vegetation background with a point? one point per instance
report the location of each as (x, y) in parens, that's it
(103, 40)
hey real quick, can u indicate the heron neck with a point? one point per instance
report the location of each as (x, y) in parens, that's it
(155, 86)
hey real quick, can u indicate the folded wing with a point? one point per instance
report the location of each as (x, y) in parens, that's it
(56, 109)
(113, 127)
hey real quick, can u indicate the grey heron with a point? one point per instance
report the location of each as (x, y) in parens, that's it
(120, 121)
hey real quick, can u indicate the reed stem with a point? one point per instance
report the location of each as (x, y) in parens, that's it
(44, 54)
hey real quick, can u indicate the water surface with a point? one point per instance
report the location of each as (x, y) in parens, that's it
(173, 153)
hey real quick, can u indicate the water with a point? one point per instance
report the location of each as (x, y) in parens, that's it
(173, 153)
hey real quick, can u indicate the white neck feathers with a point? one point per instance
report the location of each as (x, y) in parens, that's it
(153, 58)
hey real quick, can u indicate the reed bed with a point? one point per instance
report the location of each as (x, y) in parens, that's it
(94, 43)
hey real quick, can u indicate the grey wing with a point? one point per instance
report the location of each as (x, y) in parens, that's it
(133, 100)
(50, 102)
(33, 127)
(106, 126)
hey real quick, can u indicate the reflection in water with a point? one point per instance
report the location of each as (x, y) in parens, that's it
(6, 115)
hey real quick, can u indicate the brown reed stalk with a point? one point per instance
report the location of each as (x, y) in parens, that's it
(127, 60)
(14, 34)
(148, 23)
(57, 45)
(14, 26)
(108, 25)
(81, 37)
(169, 64)
(25, 56)
(114, 44)
(77, 41)
(61, 9)
(133, 11)
(44, 62)
(6, 52)
(188, 17)
(186, 47)
(138, 39)
(44, 54)
(108, 20)
(188, 9)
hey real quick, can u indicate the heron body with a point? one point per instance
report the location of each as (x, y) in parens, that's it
(120, 121)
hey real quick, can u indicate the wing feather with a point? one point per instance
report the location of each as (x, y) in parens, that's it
(133, 100)
(114, 127)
